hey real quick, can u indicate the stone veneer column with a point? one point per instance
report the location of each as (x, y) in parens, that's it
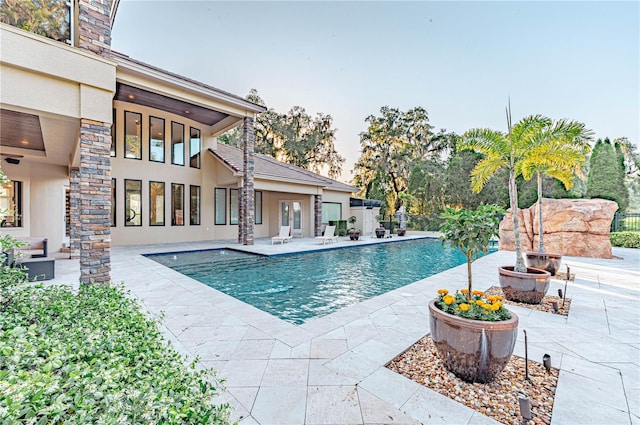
(94, 26)
(317, 205)
(247, 198)
(74, 213)
(95, 201)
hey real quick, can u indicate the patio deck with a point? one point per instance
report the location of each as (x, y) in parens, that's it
(330, 370)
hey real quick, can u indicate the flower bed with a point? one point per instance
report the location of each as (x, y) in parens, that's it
(480, 307)
(497, 399)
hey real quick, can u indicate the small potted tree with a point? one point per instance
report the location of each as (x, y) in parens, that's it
(354, 233)
(474, 335)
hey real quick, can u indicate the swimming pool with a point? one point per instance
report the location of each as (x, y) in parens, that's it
(297, 287)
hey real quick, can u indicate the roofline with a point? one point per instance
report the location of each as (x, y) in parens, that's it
(125, 62)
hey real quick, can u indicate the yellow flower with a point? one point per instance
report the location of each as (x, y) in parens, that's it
(480, 303)
(476, 292)
(487, 306)
(448, 299)
(464, 291)
(443, 291)
(464, 307)
(495, 307)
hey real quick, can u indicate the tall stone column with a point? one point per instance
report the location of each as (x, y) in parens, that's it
(95, 201)
(247, 198)
(94, 26)
(317, 206)
(74, 213)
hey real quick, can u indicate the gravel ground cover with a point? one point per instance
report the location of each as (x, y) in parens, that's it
(497, 399)
(546, 305)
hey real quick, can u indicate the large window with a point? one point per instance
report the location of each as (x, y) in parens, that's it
(133, 202)
(156, 139)
(177, 143)
(177, 204)
(258, 207)
(113, 202)
(221, 206)
(113, 134)
(156, 203)
(331, 211)
(233, 205)
(11, 204)
(195, 145)
(194, 205)
(132, 135)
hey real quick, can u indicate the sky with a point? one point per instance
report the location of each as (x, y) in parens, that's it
(461, 61)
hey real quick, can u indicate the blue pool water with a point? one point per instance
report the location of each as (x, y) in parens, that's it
(297, 287)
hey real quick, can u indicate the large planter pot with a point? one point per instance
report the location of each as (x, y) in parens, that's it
(380, 233)
(401, 232)
(473, 350)
(529, 287)
(354, 236)
(544, 261)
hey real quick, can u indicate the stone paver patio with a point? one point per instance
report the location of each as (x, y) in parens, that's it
(330, 370)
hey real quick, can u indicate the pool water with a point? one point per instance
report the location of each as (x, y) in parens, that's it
(297, 287)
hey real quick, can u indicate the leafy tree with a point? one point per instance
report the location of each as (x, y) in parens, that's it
(49, 18)
(558, 149)
(605, 179)
(391, 145)
(295, 138)
(426, 193)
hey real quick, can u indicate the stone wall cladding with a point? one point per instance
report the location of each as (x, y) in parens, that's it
(94, 26)
(74, 212)
(247, 213)
(95, 202)
(317, 203)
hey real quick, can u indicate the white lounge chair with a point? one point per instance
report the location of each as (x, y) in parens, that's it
(329, 235)
(283, 236)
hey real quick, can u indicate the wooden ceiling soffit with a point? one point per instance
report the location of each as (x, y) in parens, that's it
(20, 130)
(126, 93)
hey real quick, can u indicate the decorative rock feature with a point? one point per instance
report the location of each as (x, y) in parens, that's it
(317, 202)
(573, 227)
(247, 195)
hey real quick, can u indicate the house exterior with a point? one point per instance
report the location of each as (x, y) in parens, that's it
(103, 149)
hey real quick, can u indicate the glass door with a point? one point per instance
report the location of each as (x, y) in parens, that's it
(291, 215)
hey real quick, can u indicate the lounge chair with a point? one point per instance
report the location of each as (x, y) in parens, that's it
(283, 236)
(329, 235)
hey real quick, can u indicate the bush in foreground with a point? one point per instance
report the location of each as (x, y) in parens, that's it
(625, 239)
(94, 358)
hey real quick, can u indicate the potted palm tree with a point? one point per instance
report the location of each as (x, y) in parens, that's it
(519, 283)
(474, 335)
(559, 152)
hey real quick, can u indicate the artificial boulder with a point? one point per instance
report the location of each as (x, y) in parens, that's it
(573, 227)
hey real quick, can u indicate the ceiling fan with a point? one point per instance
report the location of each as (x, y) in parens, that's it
(12, 158)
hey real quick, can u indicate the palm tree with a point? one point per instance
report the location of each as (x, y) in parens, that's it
(558, 151)
(502, 150)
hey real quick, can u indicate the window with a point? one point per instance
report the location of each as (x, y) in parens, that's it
(156, 139)
(258, 207)
(113, 202)
(331, 211)
(220, 206)
(233, 205)
(113, 134)
(177, 143)
(177, 204)
(133, 202)
(194, 205)
(156, 203)
(195, 145)
(132, 135)
(11, 204)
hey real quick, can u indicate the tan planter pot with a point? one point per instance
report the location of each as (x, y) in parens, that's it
(544, 261)
(473, 350)
(529, 287)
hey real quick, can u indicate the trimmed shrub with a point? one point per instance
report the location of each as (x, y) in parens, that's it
(94, 357)
(625, 239)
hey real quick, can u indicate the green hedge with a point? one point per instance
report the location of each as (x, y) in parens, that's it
(625, 239)
(94, 357)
